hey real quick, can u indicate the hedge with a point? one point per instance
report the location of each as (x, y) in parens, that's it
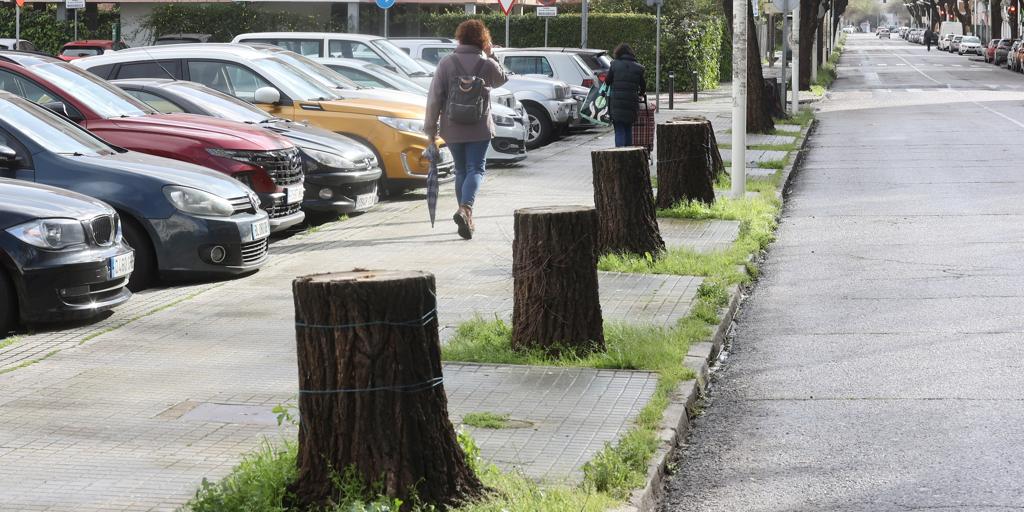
(223, 21)
(41, 27)
(687, 44)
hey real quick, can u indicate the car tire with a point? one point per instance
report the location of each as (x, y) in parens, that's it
(145, 273)
(8, 305)
(540, 126)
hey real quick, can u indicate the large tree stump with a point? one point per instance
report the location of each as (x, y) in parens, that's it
(554, 266)
(717, 164)
(686, 169)
(370, 389)
(627, 220)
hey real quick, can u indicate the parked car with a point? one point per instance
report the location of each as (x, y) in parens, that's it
(883, 33)
(1020, 58)
(549, 104)
(19, 44)
(182, 39)
(1011, 56)
(509, 142)
(598, 61)
(341, 174)
(182, 220)
(430, 49)
(1002, 50)
(264, 161)
(393, 130)
(567, 67)
(944, 42)
(374, 49)
(848, 29)
(970, 44)
(954, 44)
(990, 50)
(61, 253)
(88, 48)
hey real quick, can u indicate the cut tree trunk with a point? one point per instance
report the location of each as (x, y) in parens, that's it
(627, 220)
(686, 169)
(556, 306)
(370, 394)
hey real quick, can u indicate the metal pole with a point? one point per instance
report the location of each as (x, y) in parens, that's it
(672, 90)
(795, 34)
(76, 24)
(739, 99)
(507, 45)
(385, 23)
(770, 41)
(785, 48)
(657, 58)
(696, 84)
(814, 58)
(545, 31)
(17, 25)
(583, 23)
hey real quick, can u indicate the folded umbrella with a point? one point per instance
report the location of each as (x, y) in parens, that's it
(433, 156)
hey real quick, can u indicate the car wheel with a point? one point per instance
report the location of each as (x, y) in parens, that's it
(540, 129)
(8, 305)
(135, 236)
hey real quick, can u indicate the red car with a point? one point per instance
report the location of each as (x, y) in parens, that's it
(990, 50)
(265, 161)
(88, 48)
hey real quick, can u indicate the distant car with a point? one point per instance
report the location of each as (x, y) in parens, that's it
(848, 30)
(1020, 58)
(1011, 56)
(430, 49)
(61, 253)
(597, 60)
(1002, 50)
(88, 48)
(368, 74)
(990, 50)
(954, 44)
(22, 44)
(567, 67)
(341, 174)
(182, 39)
(883, 33)
(944, 42)
(970, 44)
(181, 219)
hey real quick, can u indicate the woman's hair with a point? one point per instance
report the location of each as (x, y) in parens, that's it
(622, 49)
(473, 32)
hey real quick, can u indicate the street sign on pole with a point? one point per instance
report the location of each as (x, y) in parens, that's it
(74, 4)
(506, 7)
(657, 51)
(385, 4)
(547, 11)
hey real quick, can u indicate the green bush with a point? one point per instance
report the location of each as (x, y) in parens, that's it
(42, 28)
(223, 21)
(687, 44)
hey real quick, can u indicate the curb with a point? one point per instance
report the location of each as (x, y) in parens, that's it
(675, 421)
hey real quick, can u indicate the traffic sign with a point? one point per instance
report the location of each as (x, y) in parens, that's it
(74, 4)
(506, 5)
(385, 4)
(547, 3)
(21, 3)
(547, 11)
(781, 5)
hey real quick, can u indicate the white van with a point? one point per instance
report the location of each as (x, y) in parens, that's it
(950, 27)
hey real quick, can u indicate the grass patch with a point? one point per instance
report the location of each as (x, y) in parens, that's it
(28, 362)
(793, 146)
(6, 342)
(486, 420)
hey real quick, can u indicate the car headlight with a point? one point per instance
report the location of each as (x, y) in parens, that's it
(198, 202)
(232, 154)
(403, 125)
(332, 160)
(501, 120)
(53, 234)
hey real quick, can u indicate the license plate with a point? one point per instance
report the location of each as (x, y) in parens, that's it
(260, 230)
(121, 265)
(364, 201)
(294, 193)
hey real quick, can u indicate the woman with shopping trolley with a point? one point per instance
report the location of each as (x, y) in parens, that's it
(626, 85)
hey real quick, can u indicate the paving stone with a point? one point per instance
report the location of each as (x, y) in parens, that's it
(755, 156)
(700, 235)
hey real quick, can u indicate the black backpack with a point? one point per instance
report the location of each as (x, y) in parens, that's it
(467, 98)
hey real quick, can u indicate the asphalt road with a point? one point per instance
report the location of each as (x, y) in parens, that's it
(878, 363)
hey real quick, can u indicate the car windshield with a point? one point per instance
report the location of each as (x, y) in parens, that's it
(81, 51)
(220, 104)
(400, 82)
(303, 86)
(324, 74)
(50, 130)
(971, 40)
(106, 100)
(407, 64)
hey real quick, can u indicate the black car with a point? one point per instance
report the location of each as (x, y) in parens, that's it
(61, 254)
(181, 219)
(341, 174)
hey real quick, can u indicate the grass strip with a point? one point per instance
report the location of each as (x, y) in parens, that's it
(486, 420)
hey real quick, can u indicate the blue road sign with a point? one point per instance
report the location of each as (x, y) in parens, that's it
(385, 4)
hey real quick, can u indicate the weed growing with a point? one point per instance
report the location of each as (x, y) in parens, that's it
(486, 420)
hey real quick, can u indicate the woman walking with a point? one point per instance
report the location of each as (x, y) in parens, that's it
(626, 82)
(459, 98)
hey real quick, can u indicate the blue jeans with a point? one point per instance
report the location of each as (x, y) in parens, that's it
(623, 134)
(470, 161)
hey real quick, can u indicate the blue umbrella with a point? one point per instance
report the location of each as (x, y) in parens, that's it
(432, 155)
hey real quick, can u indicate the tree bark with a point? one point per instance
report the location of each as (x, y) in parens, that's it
(686, 168)
(370, 392)
(996, 10)
(1014, 25)
(627, 220)
(808, 28)
(556, 306)
(759, 116)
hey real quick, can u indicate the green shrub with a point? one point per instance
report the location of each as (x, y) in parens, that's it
(223, 21)
(42, 28)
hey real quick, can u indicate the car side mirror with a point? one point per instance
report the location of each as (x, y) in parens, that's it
(267, 95)
(61, 109)
(8, 157)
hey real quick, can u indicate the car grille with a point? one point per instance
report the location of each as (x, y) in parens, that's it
(563, 91)
(242, 205)
(254, 252)
(96, 293)
(283, 210)
(284, 166)
(103, 230)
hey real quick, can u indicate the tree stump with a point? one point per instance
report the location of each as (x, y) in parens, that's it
(370, 389)
(627, 220)
(554, 267)
(686, 168)
(717, 164)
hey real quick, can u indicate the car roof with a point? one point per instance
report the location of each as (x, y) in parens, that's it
(425, 39)
(307, 35)
(589, 51)
(184, 35)
(89, 42)
(26, 58)
(144, 82)
(176, 51)
(356, 63)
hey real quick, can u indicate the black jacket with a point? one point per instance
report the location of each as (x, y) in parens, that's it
(626, 81)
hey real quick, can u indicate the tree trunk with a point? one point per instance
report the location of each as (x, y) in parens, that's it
(1014, 25)
(808, 22)
(686, 168)
(996, 10)
(759, 117)
(370, 389)
(556, 306)
(627, 220)
(820, 42)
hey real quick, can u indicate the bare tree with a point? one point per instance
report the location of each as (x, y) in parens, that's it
(759, 113)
